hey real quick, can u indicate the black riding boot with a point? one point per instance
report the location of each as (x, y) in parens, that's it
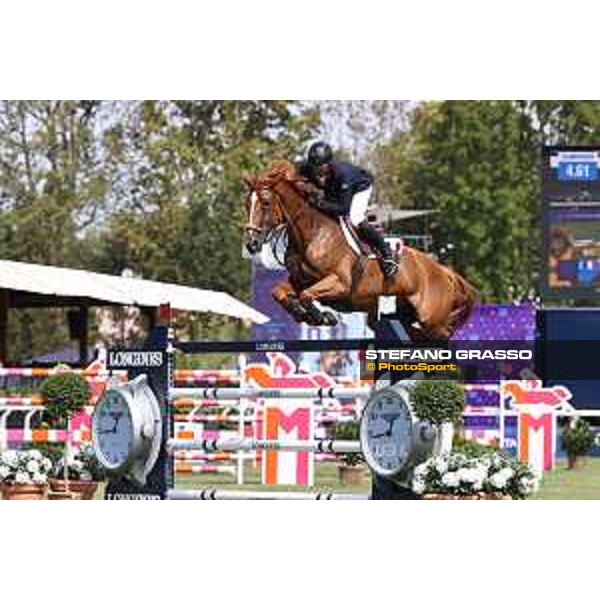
(386, 258)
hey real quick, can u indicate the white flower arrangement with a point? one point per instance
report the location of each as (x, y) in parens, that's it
(24, 466)
(462, 474)
(83, 466)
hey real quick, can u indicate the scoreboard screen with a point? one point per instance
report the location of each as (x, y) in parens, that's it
(571, 217)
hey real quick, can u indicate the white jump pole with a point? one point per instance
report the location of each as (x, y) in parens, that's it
(216, 494)
(252, 392)
(248, 444)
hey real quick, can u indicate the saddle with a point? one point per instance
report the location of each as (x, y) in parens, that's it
(353, 240)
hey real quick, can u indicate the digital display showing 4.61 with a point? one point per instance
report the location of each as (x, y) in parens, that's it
(571, 207)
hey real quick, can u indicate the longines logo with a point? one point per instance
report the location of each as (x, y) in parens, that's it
(137, 358)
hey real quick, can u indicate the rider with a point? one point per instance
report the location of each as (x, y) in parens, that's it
(345, 192)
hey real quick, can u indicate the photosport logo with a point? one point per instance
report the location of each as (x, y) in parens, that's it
(481, 360)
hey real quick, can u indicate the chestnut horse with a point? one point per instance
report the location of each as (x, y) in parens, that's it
(432, 299)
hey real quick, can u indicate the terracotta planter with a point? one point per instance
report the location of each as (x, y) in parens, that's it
(472, 497)
(350, 475)
(85, 489)
(63, 496)
(24, 491)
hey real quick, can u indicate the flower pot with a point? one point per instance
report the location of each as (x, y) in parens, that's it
(24, 491)
(85, 489)
(497, 496)
(350, 475)
(63, 495)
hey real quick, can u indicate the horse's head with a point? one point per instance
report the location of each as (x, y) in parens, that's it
(263, 213)
(264, 209)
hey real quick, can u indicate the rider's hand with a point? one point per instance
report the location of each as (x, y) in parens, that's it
(316, 198)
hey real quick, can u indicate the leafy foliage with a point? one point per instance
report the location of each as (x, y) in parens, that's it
(477, 164)
(578, 439)
(438, 401)
(459, 474)
(348, 430)
(84, 466)
(64, 395)
(151, 186)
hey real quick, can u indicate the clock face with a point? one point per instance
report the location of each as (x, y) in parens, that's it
(387, 433)
(113, 428)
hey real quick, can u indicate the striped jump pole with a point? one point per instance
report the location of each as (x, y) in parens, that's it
(196, 403)
(249, 444)
(229, 376)
(202, 456)
(217, 494)
(13, 401)
(339, 393)
(214, 418)
(186, 468)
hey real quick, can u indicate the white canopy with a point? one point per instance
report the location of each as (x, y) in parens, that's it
(58, 281)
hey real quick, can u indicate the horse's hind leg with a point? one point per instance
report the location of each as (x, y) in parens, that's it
(285, 295)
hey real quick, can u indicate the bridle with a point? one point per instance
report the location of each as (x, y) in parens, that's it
(271, 232)
(264, 232)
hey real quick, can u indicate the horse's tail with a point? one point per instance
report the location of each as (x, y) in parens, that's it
(466, 299)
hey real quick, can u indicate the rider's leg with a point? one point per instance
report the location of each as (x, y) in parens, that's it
(386, 257)
(358, 208)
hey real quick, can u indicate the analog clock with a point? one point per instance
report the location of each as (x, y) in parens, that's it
(126, 430)
(393, 440)
(113, 429)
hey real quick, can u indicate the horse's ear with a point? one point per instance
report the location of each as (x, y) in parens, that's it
(248, 182)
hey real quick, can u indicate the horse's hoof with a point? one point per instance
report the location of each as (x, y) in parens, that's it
(329, 319)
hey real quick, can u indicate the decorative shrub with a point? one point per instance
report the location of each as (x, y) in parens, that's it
(438, 401)
(348, 430)
(471, 447)
(64, 395)
(459, 474)
(578, 439)
(24, 466)
(83, 466)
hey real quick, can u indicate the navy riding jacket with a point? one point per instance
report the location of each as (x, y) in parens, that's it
(344, 182)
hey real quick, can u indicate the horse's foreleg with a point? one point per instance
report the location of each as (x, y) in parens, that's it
(285, 295)
(329, 288)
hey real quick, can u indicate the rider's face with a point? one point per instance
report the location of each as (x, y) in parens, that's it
(322, 174)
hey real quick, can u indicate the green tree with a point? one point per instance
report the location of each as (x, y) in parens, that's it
(53, 180)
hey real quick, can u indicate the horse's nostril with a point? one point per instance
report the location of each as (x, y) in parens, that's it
(253, 245)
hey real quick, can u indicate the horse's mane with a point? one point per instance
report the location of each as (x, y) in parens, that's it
(280, 171)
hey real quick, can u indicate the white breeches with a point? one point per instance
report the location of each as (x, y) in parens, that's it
(358, 208)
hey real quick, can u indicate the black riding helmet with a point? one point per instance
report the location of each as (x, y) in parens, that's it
(319, 154)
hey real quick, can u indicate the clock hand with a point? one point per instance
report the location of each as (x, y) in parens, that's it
(391, 421)
(117, 418)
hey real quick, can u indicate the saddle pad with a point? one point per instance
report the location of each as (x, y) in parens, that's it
(351, 238)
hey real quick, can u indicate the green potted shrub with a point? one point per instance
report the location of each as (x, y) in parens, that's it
(64, 395)
(442, 403)
(578, 440)
(350, 468)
